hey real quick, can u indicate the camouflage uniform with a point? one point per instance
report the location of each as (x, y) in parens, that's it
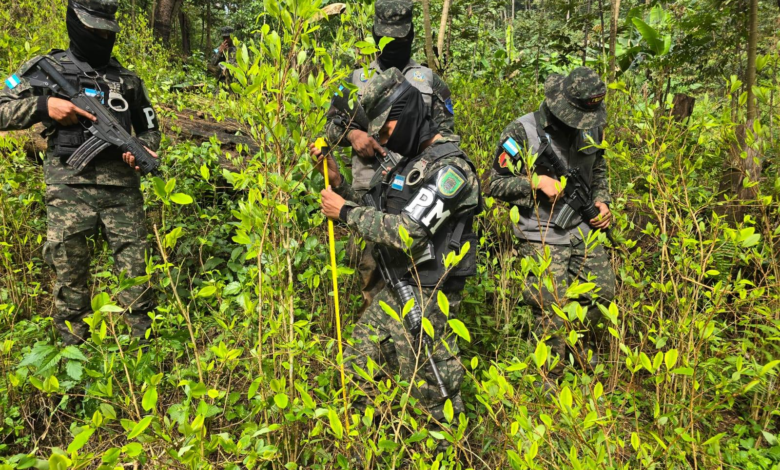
(377, 335)
(214, 67)
(105, 195)
(393, 19)
(575, 101)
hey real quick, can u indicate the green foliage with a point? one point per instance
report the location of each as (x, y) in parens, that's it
(244, 371)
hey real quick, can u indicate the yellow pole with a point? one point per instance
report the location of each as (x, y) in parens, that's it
(320, 143)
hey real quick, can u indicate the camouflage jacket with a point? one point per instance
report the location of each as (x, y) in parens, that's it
(22, 106)
(438, 100)
(435, 91)
(514, 187)
(383, 228)
(217, 58)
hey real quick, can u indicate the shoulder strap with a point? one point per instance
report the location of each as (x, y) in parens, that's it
(85, 68)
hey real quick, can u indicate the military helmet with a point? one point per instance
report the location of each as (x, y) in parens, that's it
(380, 95)
(227, 31)
(393, 18)
(97, 14)
(577, 99)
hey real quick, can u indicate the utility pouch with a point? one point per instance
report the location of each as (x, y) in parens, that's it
(67, 141)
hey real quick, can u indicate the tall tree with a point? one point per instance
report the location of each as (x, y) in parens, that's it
(429, 36)
(164, 14)
(613, 26)
(443, 28)
(744, 162)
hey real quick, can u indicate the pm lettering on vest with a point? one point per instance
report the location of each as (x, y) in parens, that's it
(149, 112)
(428, 209)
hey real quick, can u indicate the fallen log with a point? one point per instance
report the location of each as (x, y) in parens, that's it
(186, 125)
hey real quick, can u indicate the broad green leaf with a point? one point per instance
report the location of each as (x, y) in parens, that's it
(540, 354)
(385, 41)
(133, 449)
(181, 198)
(670, 359)
(140, 427)
(207, 291)
(448, 411)
(444, 303)
(460, 329)
(281, 400)
(389, 311)
(335, 423)
(80, 440)
(427, 326)
(650, 36)
(566, 399)
(150, 399)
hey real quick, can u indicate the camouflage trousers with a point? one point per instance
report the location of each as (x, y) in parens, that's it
(75, 214)
(568, 263)
(378, 335)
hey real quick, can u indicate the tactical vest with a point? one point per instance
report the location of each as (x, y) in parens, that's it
(536, 226)
(429, 263)
(420, 77)
(107, 85)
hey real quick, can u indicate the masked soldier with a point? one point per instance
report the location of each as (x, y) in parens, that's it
(570, 120)
(106, 193)
(226, 52)
(433, 194)
(393, 19)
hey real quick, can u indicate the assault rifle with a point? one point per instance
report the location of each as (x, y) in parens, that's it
(357, 115)
(577, 195)
(406, 292)
(106, 130)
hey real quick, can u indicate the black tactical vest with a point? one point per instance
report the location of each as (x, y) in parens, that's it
(430, 262)
(107, 85)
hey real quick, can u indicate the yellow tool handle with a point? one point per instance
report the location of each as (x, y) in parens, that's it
(334, 270)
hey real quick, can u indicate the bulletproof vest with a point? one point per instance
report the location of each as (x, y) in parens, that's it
(538, 226)
(420, 77)
(429, 263)
(106, 84)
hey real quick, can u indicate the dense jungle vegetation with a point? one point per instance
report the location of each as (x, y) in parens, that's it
(244, 371)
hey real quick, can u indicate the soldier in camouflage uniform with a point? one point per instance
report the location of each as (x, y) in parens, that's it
(226, 52)
(572, 116)
(434, 194)
(106, 193)
(393, 18)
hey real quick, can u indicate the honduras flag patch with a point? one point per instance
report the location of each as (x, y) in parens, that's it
(398, 183)
(12, 82)
(511, 147)
(450, 107)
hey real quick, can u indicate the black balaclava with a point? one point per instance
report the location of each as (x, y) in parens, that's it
(396, 53)
(87, 45)
(414, 125)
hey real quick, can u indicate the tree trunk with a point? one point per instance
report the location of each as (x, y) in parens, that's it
(750, 81)
(184, 23)
(586, 32)
(163, 18)
(209, 46)
(429, 36)
(445, 12)
(744, 162)
(682, 106)
(613, 26)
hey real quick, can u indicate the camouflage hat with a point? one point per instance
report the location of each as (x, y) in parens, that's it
(226, 31)
(393, 18)
(97, 14)
(384, 90)
(577, 99)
